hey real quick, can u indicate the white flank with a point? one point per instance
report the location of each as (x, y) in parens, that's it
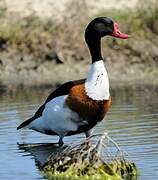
(97, 82)
(57, 117)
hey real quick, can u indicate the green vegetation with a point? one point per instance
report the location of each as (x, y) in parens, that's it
(138, 21)
(32, 30)
(25, 31)
(26, 42)
(113, 171)
(97, 161)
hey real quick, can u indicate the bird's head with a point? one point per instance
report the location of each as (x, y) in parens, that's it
(103, 26)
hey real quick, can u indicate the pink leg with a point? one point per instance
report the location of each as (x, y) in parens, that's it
(88, 134)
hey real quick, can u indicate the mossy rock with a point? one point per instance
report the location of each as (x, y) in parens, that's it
(87, 162)
(114, 171)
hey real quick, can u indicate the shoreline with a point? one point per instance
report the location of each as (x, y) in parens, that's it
(31, 49)
(145, 82)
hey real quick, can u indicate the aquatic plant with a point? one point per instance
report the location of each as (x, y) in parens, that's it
(101, 160)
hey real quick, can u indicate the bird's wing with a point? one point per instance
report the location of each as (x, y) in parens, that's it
(64, 89)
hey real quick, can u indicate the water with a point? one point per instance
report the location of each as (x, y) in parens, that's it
(132, 122)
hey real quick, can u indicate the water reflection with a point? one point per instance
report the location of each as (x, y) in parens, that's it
(41, 151)
(132, 122)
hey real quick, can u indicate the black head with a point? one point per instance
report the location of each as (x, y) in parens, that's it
(98, 28)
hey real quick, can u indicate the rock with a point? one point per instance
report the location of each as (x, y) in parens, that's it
(52, 56)
(3, 43)
(144, 48)
(155, 27)
(1, 62)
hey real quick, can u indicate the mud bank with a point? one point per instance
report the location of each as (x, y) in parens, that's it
(31, 48)
(130, 66)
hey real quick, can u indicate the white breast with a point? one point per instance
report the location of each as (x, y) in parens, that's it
(97, 82)
(57, 117)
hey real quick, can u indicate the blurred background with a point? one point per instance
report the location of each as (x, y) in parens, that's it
(42, 45)
(36, 35)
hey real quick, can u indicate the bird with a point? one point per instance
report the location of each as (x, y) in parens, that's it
(78, 106)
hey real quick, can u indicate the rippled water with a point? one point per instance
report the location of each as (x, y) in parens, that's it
(132, 122)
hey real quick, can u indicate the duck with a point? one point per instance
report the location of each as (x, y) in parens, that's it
(78, 106)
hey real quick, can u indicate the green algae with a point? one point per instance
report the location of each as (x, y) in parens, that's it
(84, 162)
(115, 171)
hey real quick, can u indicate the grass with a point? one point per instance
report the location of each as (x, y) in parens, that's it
(23, 31)
(31, 30)
(139, 23)
(35, 37)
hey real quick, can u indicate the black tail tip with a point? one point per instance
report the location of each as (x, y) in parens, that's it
(25, 123)
(19, 127)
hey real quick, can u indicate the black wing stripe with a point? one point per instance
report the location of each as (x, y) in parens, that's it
(62, 90)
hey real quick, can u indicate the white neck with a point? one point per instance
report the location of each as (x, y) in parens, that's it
(97, 82)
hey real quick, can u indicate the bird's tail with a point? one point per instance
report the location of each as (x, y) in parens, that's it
(25, 123)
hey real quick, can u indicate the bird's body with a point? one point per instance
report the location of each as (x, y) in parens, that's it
(70, 114)
(76, 106)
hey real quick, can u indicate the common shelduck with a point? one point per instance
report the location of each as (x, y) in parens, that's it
(77, 106)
